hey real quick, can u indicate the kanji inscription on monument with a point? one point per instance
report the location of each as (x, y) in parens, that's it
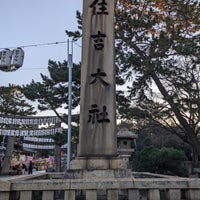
(98, 104)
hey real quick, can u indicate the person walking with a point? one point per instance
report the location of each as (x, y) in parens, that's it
(23, 168)
(30, 168)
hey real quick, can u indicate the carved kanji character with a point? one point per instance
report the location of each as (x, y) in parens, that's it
(98, 76)
(98, 40)
(103, 116)
(95, 116)
(93, 113)
(99, 7)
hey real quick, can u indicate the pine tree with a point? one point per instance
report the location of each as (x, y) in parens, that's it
(52, 92)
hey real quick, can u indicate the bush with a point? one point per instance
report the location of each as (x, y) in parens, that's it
(167, 161)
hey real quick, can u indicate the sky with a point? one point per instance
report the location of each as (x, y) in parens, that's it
(35, 22)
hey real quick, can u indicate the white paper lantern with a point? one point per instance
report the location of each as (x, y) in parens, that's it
(18, 57)
(6, 57)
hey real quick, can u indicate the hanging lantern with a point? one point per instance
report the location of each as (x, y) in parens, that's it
(18, 57)
(11, 60)
(6, 57)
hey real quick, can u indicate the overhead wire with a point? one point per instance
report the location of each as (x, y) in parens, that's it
(35, 68)
(41, 44)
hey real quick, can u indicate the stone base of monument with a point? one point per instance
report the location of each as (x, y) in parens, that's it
(97, 174)
(98, 167)
(91, 163)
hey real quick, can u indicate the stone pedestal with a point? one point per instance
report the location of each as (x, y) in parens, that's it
(101, 163)
(97, 174)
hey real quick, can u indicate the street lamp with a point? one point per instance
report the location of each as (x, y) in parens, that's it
(70, 66)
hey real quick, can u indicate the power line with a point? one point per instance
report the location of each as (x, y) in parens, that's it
(42, 44)
(34, 68)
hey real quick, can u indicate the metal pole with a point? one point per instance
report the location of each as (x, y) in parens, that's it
(70, 65)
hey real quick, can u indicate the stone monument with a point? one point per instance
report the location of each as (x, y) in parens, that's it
(97, 136)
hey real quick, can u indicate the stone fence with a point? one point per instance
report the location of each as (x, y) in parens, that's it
(52, 187)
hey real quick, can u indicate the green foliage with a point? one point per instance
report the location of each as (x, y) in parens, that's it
(76, 34)
(162, 161)
(75, 134)
(152, 37)
(59, 138)
(52, 94)
(13, 102)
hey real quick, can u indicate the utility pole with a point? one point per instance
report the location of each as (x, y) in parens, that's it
(70, 66)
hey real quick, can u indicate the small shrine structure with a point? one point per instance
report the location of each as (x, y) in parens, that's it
(126, 142)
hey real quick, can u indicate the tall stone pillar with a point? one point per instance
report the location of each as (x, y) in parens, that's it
(97, 137)
(97, 109)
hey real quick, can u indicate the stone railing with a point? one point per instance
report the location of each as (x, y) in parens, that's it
(52, 187)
